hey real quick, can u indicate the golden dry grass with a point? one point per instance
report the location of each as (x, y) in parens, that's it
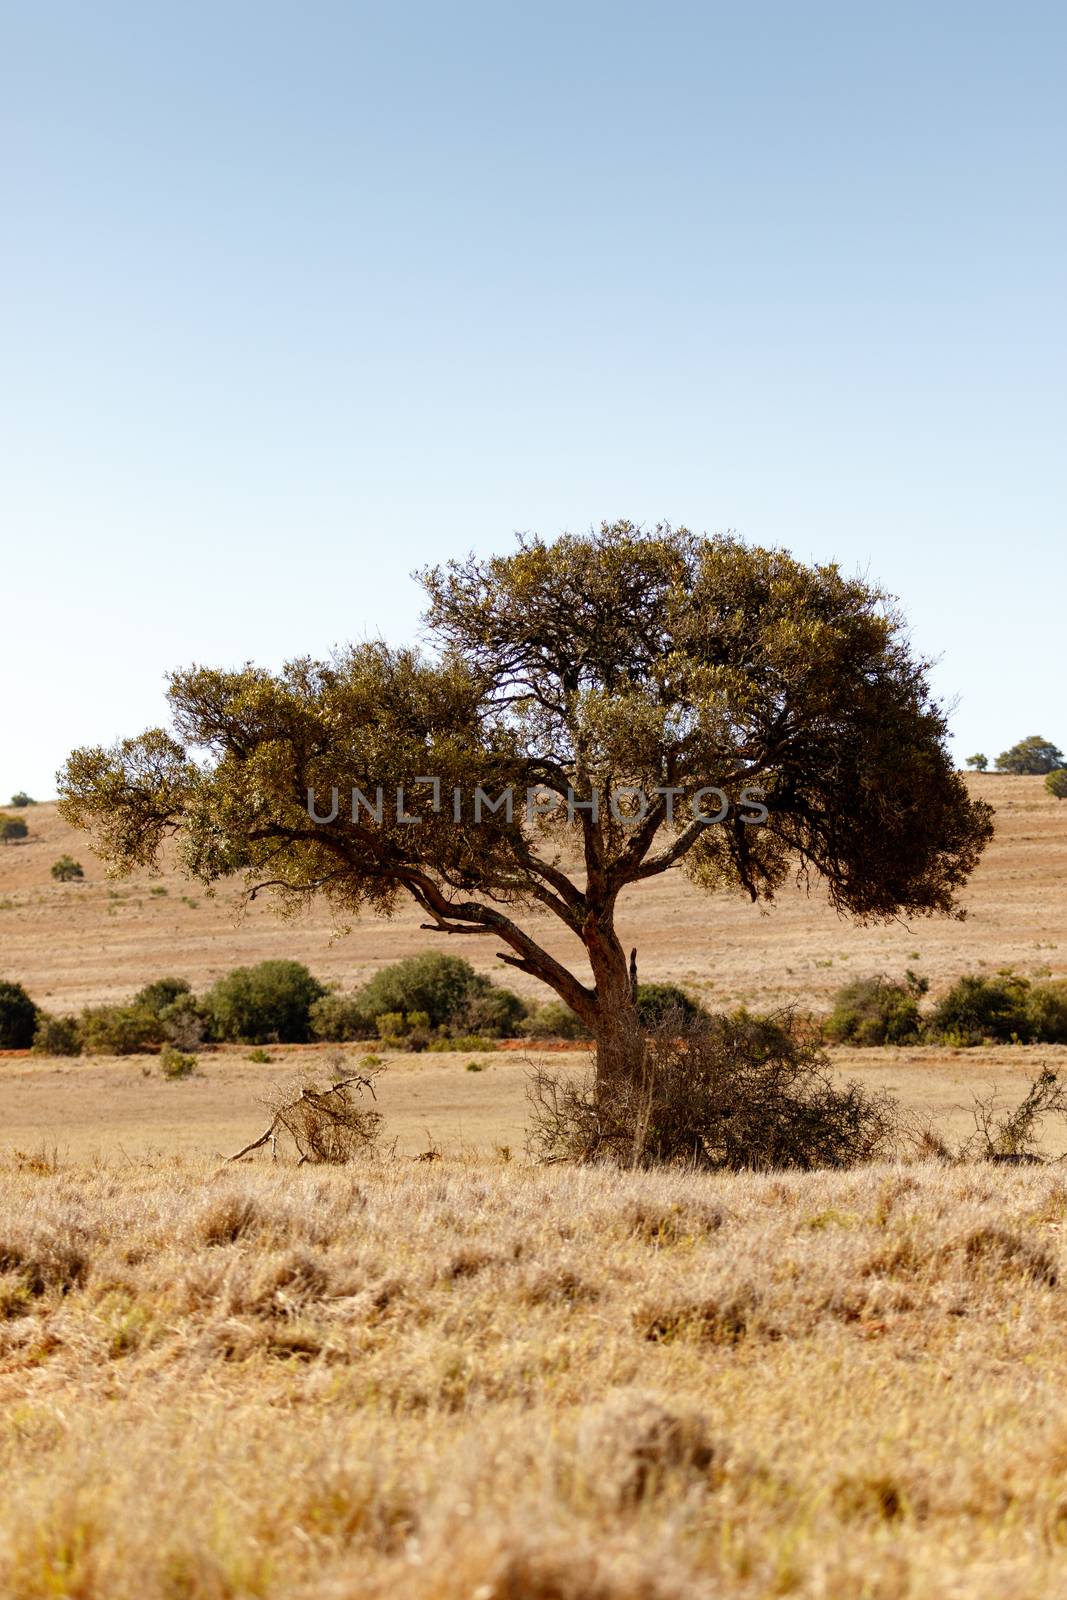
(80, 943)
(490, 1382)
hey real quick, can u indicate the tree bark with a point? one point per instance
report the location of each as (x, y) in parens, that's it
(620, 1039)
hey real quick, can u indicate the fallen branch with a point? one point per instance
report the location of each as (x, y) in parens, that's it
(325, 1124)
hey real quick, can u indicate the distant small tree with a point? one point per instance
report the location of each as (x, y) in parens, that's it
(1032, 755)
(22, 799)
(12, 828)
(979, 762)
(66, 869)
(1056, 783)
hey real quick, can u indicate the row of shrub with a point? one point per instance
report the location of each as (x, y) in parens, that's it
(429, 1002)
(1003, 1008)
(439, 1002)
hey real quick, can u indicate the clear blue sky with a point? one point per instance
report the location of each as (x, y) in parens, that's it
(295, 298)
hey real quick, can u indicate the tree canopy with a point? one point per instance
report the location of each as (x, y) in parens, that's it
(617, 675)
(1034, 755)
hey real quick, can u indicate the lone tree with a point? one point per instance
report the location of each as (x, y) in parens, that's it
(66, 869)
(12, 827)
(1056, 783)
(659, 661)
(1034, 755)
(979, 762)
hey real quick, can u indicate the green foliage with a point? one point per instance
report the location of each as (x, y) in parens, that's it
(1046, 1006)
(492, 1011)
(22, 799)
(660, 1003)
(161, 993)
(119, 1030)
(259, 1056)
(554, 1020)
(66, 869)
(340, 1018)
(57, 1036)
(1032, 755)
(18, 1017)
(12, 827)
(441, 986)
(263, 1004)
(980, 763)
(873, 1011)
(977, 1008)
(175, 1064)
(1056, 783)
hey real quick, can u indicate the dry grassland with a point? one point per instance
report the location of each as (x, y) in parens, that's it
(80, 943)
(115, 1110)
(480, 1381)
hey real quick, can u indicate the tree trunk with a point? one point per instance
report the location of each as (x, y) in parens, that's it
(620, 1040)
(620, 1045)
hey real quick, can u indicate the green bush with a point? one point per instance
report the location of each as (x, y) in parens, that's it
(871, 1011)
(57, 1036)
(174, 1064)
(1046, 1006)
(496, 1012)
(119, 1030)
(161, 993)
(441, 986)
(18, 1017)
(22, 799)
(554, 1020)
(660, 1003)
(978, 1008)
(1056, 783)
(340, 1018)
(12, 828)
(264, 1004)
(66, 869)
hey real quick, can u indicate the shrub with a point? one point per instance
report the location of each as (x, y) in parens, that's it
(1046, 1006)
(554, 1020)
(340, 1018)
(22, 799)
(494, 1011)
(266, 1003)
(1033, 755)
(119, 1030)
(979, 762)
(175, 1064)
(659, 1003)
(441, 986)
(729, 1092)
(978, 1008)
(185, 1022)
(18, 1017)
(12, 827)
(57, 1036)
(66, 869)
(161, 993)
(1056, 783)
(870, 1011)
